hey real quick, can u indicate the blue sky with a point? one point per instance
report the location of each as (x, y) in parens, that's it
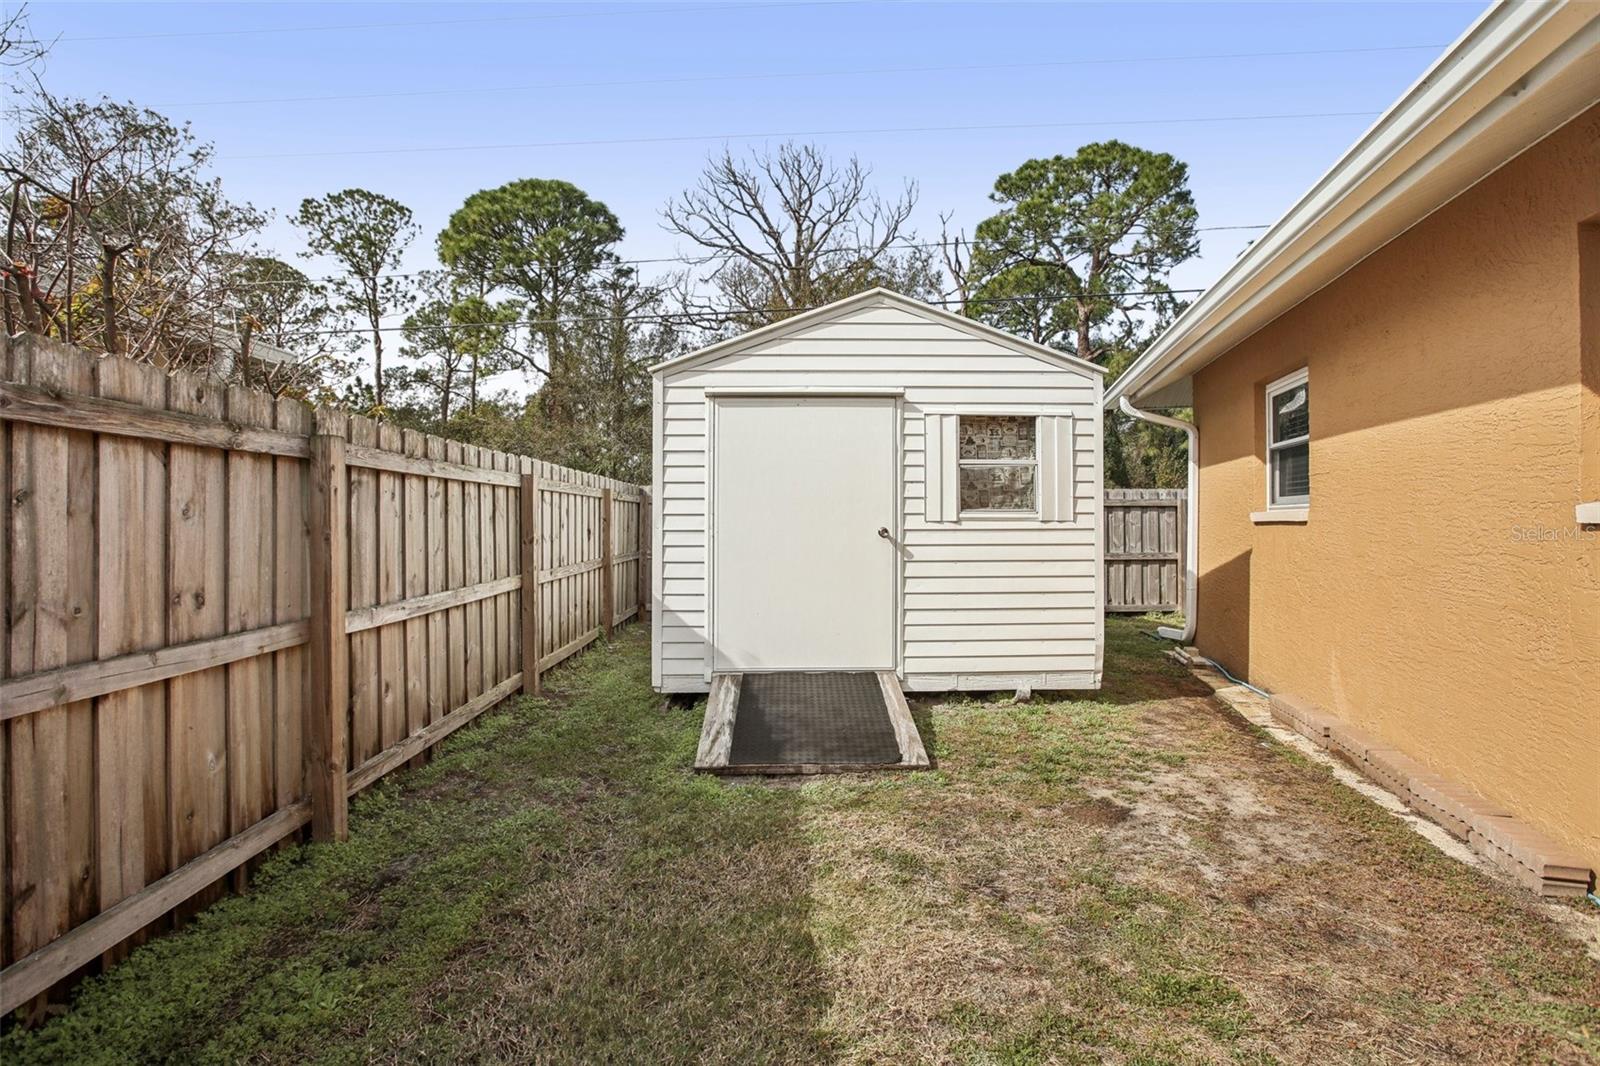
(211, 64)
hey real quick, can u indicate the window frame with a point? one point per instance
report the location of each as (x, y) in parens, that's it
(1273, 446)
(992, 512)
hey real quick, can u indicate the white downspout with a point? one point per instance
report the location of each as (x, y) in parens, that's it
(1191, 533)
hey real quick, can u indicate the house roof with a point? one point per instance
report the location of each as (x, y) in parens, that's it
(878, 297)
(1519, 73)
(260, 350)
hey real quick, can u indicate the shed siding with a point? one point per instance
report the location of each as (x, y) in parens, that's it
(986, 601)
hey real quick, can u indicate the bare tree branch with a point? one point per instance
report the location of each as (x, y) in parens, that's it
(790, 229)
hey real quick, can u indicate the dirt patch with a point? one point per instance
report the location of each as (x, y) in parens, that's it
(1217, 822)
(1098, 812)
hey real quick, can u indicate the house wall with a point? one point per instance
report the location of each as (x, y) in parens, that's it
(1440, 595)
(986, 602)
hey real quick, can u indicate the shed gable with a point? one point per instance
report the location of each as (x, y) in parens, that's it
(873, 331)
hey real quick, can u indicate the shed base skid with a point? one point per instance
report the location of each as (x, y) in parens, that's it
(1051, 682)
(1047, 682)
(808, 723)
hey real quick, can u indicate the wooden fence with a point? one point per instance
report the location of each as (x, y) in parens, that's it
(1144, 549)
(226, 614)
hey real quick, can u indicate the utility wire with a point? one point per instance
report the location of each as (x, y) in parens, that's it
(966, 128)
(717, 315)
(642, 10)
(780, 75)
(691, 260)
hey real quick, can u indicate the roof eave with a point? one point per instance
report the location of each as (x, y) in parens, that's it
(1520, 72)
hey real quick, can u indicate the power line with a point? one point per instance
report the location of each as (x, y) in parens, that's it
(717, 315)
(694, 260)
(780, 75)
(908, 246)
(249, 30)
(969, 128)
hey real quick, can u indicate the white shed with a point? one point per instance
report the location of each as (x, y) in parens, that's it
(878, 485)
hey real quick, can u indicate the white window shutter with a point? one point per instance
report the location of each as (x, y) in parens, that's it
(1057, 499)
(940, 459)
(950, 427)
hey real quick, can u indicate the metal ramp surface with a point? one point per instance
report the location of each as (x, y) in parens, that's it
(808, 723)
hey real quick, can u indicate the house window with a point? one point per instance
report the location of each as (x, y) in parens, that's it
(999, 463)
(1289, 441)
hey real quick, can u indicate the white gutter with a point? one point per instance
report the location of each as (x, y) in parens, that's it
(1191, 532)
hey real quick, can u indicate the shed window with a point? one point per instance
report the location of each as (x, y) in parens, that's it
(1289, 441)
(999, 463)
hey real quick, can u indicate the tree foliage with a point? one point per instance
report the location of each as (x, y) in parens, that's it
(542, 240)
(1139, 454)
(457, 339)
(1079, 253)
(614, 336)
(620, 333)
(116, 237)
(367, 234)
(119, 238)
(792, 229)
(280, 306)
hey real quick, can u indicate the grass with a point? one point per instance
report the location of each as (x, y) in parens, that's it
(1134, 877)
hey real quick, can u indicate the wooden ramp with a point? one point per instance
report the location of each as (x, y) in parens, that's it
(808, 723)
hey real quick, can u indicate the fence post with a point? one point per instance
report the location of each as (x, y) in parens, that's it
(608, 579)
(329, 650)
(645, 541)
(529, 500)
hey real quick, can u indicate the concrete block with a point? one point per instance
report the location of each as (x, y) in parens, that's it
(1348, 740)
(1313, 730)
(1563, 889)
(1505, 834)
(1509, 841)
(1448, 804)
(1288, 708)
(1553, 887)
(1303, 718)
(1447, 793)
(1497, 855)
(1391, 769)
(1313, 725)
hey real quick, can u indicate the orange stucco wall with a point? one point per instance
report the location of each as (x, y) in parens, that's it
(1440, 595)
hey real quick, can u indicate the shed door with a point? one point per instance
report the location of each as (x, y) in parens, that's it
(800, 578)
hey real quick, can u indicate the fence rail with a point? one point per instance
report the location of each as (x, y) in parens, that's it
(227, 614)
(1144, 541)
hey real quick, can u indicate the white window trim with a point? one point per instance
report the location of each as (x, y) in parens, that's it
(1034, 512)
(1282, 385)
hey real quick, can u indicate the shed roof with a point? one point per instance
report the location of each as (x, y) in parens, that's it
(878, 297)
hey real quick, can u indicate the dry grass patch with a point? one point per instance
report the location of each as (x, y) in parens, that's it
(1116, 879)
(1131, 876)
